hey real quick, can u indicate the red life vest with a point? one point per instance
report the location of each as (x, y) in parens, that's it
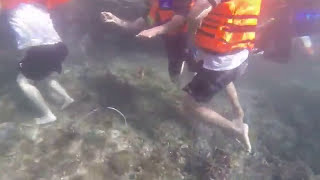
(229, 26)
(50, 4)
(160, 14)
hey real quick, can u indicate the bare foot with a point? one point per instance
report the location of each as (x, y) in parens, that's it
(244, 137)
(67, 103)
(46, 119)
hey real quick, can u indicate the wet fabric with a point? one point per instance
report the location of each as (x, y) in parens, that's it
(229, 26)
(222, 62)
(40, 61)
(32, 26)
(207, 83)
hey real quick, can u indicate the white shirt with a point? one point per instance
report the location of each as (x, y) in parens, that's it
(33, 26)
(222, 62)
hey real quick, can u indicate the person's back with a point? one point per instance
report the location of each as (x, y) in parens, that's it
(33, 26)
(230, 27)
(43, 49)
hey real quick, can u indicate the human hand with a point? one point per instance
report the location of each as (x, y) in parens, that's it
(108, 17)
(149, 33)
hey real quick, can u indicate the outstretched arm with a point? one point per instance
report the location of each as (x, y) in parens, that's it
(176, 22)
(138, 24)
(180, 8)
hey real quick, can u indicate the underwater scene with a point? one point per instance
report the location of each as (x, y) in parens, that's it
(93, 90)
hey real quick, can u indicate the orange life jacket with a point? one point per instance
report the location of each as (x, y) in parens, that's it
(10, 4)
(161, 15)
(230, 26)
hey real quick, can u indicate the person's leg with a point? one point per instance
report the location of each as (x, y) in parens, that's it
(232, 92)
(201, 90)
(233, 97)
(34, 95)
(176, 49)
(241, 131)
(306, 45)
(55, 85)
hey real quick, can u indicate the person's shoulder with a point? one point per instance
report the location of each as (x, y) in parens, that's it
(181, 5)
(182, 2)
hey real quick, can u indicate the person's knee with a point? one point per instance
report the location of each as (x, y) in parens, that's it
(52, 82)
(193, 107)
(22, 81)
(231, 89)
(189, 104)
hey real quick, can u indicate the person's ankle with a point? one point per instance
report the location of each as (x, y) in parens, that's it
(68, 101)
(49, 117)
(239, 114)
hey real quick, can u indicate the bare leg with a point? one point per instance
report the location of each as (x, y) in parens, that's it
(60, 90)
(241, 131)
(307, 44)
(233, 96)
(34, 95)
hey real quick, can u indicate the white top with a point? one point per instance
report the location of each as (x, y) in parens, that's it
(306, 40)
(33, 26)
(222, 62)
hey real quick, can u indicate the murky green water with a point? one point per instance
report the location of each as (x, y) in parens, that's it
(90, 141)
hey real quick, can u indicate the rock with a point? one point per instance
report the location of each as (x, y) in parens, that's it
(146, 150)
(121, 162)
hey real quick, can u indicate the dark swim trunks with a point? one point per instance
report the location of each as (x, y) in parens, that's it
(207, 83)
(40, 61)
(176, 47)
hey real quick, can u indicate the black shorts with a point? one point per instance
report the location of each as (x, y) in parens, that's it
(40, 61)
(176, 47)
(208, 82)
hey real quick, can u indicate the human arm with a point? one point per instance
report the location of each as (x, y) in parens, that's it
(138, 24)
(200, 10)
(176, 22)
(180, 9)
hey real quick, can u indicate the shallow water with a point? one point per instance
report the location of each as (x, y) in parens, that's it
(91, 142)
